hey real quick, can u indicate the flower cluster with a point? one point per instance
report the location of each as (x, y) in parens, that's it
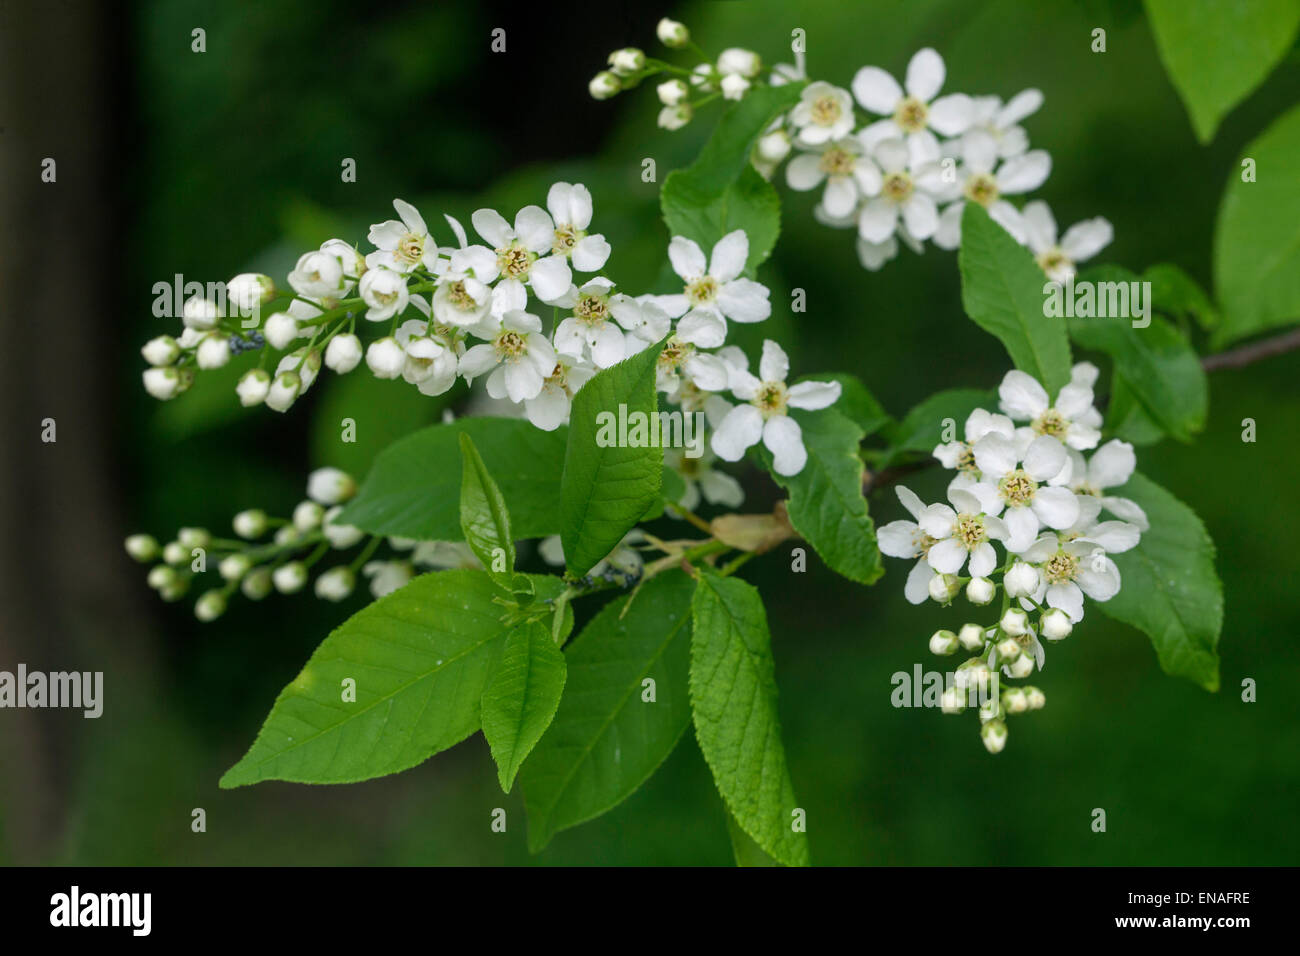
(897, 162)
(469, 310)
(278, 554)
(1023, 485)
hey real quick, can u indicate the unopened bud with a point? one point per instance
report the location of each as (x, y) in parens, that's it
(944, 587)
(289, 578)
(1021, 580)
(603, 85)
(672, 33)
(627, 61)
(142, 547)
(943, 643)
(256, 584)
(1015, 622)
(234, 566)
(971, 636)
(280, 330)
(980, 591)
(307, 516)
(335, 584)
(994, 735)
(1035, 698)
(162, 350)
(254, 386)
(1056, 625)
(210, 606)
(250, 524)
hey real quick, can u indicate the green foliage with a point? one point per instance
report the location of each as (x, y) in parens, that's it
(1002, 291)
(1257, 240)
(1217, 53)
(721, 192)
(413, 490)
(484, 518)
(922, 428)
(1158, 366)
(1171, 591)
(733, 699)
(606, 488)
(521, 697)
(826, 505)
(856, 402)
(606, 739)
(420, 659)
(1177, 295)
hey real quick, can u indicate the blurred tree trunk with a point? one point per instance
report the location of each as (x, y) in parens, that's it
(65, 603)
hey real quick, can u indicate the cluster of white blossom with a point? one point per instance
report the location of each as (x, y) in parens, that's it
(269, 553)
(1022, 483)
(470, 311)
(895, 162)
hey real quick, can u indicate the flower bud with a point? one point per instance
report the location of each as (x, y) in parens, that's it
(175, 553)
(234, 566)
(161, 576)
(354, 263)
(289, 578)
(284, 390)
(603, 85)
(1015, 622)
(256, 584)
(210, 606)
(254, 385)
(287, 535)
(214, 351)
(1056, 625)
(734, 86)
(246, 291)
(675, 117)
(343, 354)
(250, 524)
(990, 710)
(980, 591)
(671, 92)
(162, 350)
(163, 383)
(1021, 580)
(943, 643)
(340, 536)
(971, 636)
(176, 590)
(386, 358)
(1022, 666)
(307, 516)
(1008, 649)
(1015, 701)
(280, 329)
(1035, 698)
(191, 538)
(142, 547)
(200, 314)
(952, 701)
(627, 61)
(994, 735)
(775, 146)
(737, 60)
(330, 486)
(672, 33)
(336, 584)
(944, 587)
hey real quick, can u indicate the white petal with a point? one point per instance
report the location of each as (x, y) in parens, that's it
(947, 557)
(1023, 104)
(744, 300)
(550, 277)
(1068, 598)
(1022, 174)
(920, 215)
(702, 327)
(686, 257)
(876, 90)
(995, 455)
(1021, 396)
(813, 395)
(477, 360)
(840, 197)
(535, 229)
(729, 255)
(1115, 537)
(1101, 582)
(1022, 525)
(784, 439)
(917, 588)
(742, 428)
(937, 520)
(1056, 507)
(925, 75)
(983, 560)
(774, 365)
(522, 381)
(951, 115)
(1045, 457)
(549, 409)
(877, 220)
(804, 172)
(910, 501)
(491, 225)
(607, 347)
(1112, 464)
(898, 539)
(590, 253)
(1085, 239)
(1126, 509)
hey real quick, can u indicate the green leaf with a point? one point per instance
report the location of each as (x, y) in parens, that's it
(413, 490)
(1170, 589)
(1257, 239)
(855, 402)
(521, 698)
(1176, 294)
(924, 426)
(484, 518)
(420, 659)
(1002, 291)
(826, 505)
(1217, 52)
(1158, 365)
(607, 484)
(733, 699)
(606, 739)
(1127, 419)
(721, 191)
(747, 852)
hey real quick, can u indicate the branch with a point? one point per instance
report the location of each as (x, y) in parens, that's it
(1233, 358)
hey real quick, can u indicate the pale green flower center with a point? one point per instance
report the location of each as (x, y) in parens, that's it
(1017, 488)
(838, 161)
(982, 188)
(897, 187)
(911, 115)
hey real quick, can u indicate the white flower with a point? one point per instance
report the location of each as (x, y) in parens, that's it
(401, 246)
(213, 351)
(672, 33)
(715, 285)
(673, 118)
(570, 207)
(981, 179)
(911, 179)
(549, 409)
(642, 317)
(702, 480)
(672, 92)
(517, 250)
(848, 173)
(823, 114)
(1007, 483)
(915, 112)
(343, 354)
(519, 358)
(593, 329)
(1110, 466)
(254, 386)
(386, 576)
(353, 262)
(682, 363)
(248, 290)
(905, 539)
(961, 533)
(429, 364)
(385, 358)
(1002, 122)
(335, 584)
(1082, 241)
(959, 454)
(318, 275)
(280, 330)
(765, 416)
(1070, 570)
(1072, 419)
(200, 314)
(162, 350)
(330, 486)
(385, 292)
(738, 61)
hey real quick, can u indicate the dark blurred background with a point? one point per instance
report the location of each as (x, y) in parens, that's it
(209, 164)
